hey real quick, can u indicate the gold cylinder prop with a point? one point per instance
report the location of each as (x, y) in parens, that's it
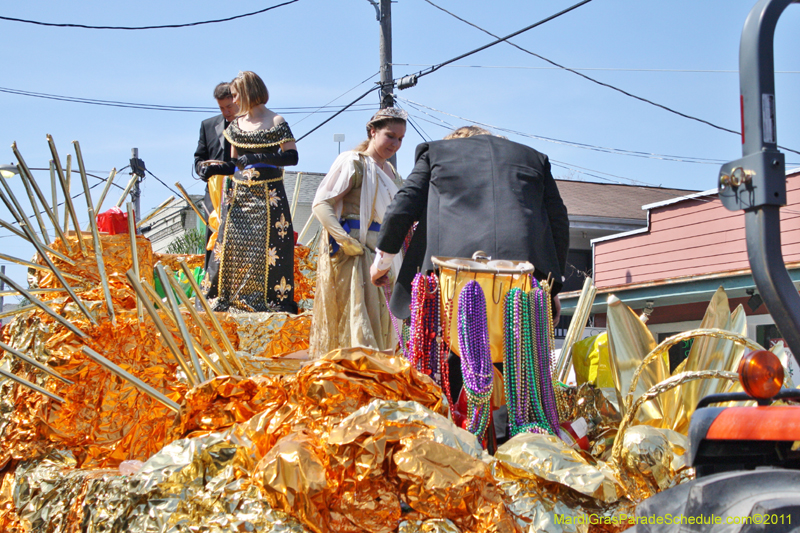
(23, 235)
(109, 181)
(127, 190)
(134, 255)
(68, 205)
(190, 202)
(32, 386)
(156, 211)
(496, 278)
(31, 361)
(54, 192)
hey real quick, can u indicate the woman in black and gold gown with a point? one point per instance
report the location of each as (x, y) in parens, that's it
(252, 266)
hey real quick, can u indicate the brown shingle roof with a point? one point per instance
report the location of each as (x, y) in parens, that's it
(584, 198)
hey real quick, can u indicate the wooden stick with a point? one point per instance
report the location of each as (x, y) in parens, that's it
(162, 328)
(128, 188)
(26, 174)
(25, 382)
(22, 235)
(98, 245)
(169, 314)
(214, 321)
(32, 291)
(69, 188)
(295, 193)
(179, 320)
(37, 266)
(200, 323)
(133, 380)
(190, 202)
(54, 192)
(34, 362)
(109, 181)
(67, 198)
(23, 218)
(17, 311)
(156, 211)
(135, 256)
(36, 213)
(44, 307)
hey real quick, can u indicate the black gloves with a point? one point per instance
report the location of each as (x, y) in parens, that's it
(279, 159)
(225, 169)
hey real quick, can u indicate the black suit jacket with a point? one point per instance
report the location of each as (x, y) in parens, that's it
(479, 193)
(211, 145)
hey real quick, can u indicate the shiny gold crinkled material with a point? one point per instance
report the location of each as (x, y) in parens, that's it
(272, 334)
(651, 459)
(629, 341)
(173, 260)
(224, 401)
(428, 526)
(551, 459)
(305, 275)
(191, 485)
(599, 407)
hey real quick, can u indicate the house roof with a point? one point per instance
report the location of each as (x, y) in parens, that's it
(584, 198)
(308, 185)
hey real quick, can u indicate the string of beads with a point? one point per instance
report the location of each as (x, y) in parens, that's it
(476, 357)
(424, 346)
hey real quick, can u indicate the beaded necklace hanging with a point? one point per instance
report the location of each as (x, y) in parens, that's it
(476, 357)
(541, 311)
(525, 413)
(424, 346)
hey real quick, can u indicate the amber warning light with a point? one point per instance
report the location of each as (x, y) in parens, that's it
(761, 374)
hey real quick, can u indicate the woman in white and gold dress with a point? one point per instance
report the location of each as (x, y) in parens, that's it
(350, 204)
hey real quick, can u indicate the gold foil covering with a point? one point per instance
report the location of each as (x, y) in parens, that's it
(651, 459)
(272, 334)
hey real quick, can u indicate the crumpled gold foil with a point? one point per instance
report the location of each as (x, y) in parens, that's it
(305, 275)
(651, 459)
(629, 341)
(272, 334)
(428, 526)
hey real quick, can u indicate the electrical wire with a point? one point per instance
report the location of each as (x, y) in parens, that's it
(164, 26)
(668, 70)
(318, 126)
(344, 93)
(589, 78)
(618, 151)
(173, 191)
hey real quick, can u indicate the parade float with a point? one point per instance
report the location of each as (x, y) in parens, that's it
(122, 409)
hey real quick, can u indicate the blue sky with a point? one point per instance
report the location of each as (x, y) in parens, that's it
(680, 53)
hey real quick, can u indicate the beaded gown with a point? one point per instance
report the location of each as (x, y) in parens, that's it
(348, 309)
(252, 266)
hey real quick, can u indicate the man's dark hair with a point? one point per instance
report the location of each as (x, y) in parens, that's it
(223, 91)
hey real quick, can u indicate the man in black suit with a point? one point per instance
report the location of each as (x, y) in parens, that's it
(474, 191)
(212, 145)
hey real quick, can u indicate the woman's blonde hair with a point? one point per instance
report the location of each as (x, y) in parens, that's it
(251, 90)
(466, 131)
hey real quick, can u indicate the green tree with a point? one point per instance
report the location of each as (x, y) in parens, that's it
(191, 242)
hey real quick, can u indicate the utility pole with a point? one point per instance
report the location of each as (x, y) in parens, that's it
(138, 169)
(387, 84)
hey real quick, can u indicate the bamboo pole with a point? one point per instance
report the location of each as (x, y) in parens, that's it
(54, 193)
(190, 202)
(156, 211)
(17, 311)
(34, 206)
(37, 266)
(161, 327)
(127, 190)
(25, 382)
(178, 317)
(295, 193)
(582, 310)
(69, 188)
(98, 245)
(34, 362)
(40, 249)
(130, 378)
(67, 198)
(109, 181)
(32, 291)
(305, 228)
(134, 256)
(200, 323)
(25, 173)
(22, 235)
(171, 315)
(44, 307)
(214, 320)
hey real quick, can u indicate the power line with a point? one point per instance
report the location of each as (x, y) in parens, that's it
(158, 107)
(608, 69)
(617, 151)
(318, 126)
(173, 191)
(164, 26)
(344, 93)
(499, 39)
(626, 93)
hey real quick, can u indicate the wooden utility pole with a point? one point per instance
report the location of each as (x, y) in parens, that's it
(387, 85)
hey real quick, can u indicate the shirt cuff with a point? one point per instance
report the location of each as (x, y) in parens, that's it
(383, 260)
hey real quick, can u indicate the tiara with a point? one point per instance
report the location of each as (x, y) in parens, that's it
(388, 112)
